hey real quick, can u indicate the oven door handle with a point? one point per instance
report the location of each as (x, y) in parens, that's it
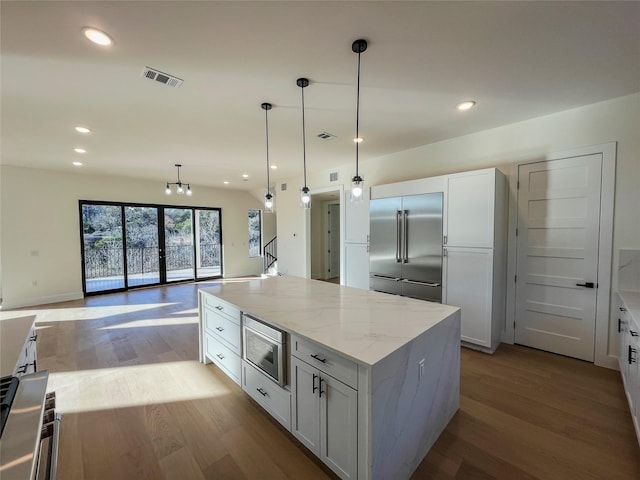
(53, 472)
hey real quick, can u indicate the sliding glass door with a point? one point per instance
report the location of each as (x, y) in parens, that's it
(127, 246)
(102, 245)
(143, 252)
(178, 244)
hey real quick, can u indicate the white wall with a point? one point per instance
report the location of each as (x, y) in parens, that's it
(616, 120)
(40, 237)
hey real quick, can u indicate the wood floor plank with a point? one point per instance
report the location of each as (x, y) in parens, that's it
(136, 404)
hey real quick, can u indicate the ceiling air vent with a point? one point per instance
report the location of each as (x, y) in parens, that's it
(326, 135)
(333, 177)
(158, 76)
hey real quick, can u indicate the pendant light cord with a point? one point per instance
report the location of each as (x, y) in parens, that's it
(266, 123)
(358, 115)
(304, 140)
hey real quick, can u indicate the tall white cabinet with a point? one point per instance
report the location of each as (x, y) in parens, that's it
(356, 242)
(474, 262)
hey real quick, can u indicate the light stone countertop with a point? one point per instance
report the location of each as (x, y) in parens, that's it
(13, 336)
(362, 325)
(631, 300)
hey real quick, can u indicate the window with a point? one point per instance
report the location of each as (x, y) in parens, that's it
(255, 233)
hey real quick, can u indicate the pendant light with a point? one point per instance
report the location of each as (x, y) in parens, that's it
(357, 184)
(178, 184)
(268, 198)
(305, 196)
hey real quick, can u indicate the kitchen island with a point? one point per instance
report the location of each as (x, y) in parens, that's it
(388, 366)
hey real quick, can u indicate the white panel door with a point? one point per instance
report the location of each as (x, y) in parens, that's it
(339, 427)
(356, 265)
(557, 255)
(469, 279)
(470, 209)
(305, 403)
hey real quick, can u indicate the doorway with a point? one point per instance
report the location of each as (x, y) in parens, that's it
(134, 245)
(324, 244)
(562, 261)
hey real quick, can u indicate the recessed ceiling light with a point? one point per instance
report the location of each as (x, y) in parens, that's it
(466, 105)
(358, 140)
(245, 175)
(97, 36)
(80, 129)
(79, 150)
(274, 167)
(77, 164)
(226, 182)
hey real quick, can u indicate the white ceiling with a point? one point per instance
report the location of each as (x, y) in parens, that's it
(518, 60)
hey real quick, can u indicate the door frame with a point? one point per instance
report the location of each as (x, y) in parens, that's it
(602, 355)
(327, 224)
(307, 229)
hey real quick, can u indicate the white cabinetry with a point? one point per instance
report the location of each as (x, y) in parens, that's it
(356, 218)
(475, 254)
(469, 273)
(269, 395)
(471, 209)
(357, 265)
(356, 242)
(629, 360)
(220, 335)
(325, 410)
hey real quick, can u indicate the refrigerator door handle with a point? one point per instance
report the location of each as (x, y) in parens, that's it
(398, 236)
(385, 277)
(426, 284)
(405, 220)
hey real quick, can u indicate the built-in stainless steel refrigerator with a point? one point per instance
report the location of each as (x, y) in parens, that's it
(405, 256)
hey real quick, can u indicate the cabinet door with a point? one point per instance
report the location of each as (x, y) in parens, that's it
(356, 265)
(470, 212)
(469, 277)
(339, 427)
(305, 402)
(356, 218)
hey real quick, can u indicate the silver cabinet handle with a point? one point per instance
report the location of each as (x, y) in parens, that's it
(218, 307)
(444, 240)
(405, 237)
(220, 329)
(262, 392)
(426, 284)
(220, 356)
(313, 382)
(321, 390)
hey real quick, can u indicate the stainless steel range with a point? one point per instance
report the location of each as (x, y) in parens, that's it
(30, 428)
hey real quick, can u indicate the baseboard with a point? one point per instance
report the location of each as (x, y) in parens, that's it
(65, 297)
(479, 348)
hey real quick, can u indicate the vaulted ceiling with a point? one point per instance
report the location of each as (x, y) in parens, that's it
(517, 60)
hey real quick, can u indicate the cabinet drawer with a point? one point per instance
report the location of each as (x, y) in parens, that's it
(222, 307)
(223, 357)
(270, 396)
(223, 328)
(328, 362)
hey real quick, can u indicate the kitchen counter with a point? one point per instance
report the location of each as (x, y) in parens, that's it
(404, 352)
(362, 325)
(13, 334)
(631, 300)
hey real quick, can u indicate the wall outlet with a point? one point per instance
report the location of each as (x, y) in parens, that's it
(420, 369)
(34, 283)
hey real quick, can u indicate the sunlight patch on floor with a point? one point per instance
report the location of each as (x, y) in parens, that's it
(153, 322)
(135, 385)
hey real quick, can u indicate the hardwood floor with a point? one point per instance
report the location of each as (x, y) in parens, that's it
(136, 404)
